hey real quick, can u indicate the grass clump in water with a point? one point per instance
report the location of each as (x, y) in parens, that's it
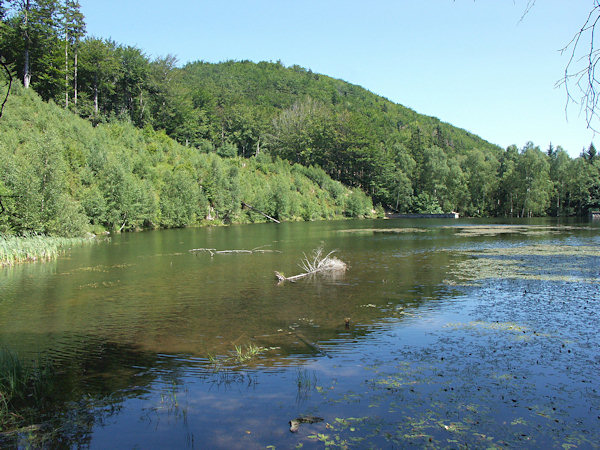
(240, 355)
(244, 354)
(23, 388)
(34, 247)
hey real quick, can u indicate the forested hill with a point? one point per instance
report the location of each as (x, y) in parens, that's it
(60, 175)
(259, 92)
(359, 138)
(405, 161)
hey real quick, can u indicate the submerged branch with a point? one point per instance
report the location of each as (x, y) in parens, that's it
(214, 251)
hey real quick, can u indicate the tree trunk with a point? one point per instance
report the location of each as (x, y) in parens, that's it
(96, 94)
(141, 107)
(66, 71)
(26, 74)
(75, 77)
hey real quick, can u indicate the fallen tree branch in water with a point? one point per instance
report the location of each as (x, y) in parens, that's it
(214, 251)
(313, 345)
(317, 263)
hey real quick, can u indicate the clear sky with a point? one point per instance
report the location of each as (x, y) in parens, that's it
(473, 64)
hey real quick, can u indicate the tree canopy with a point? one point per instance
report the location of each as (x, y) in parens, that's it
(259, 112)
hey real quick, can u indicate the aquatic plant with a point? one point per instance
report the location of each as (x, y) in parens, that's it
(22, 386)
(239, 355)
(243, 355)
(529, 262)
(305, 381)
(35, 247)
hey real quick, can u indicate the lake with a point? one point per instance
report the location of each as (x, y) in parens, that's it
(442, 333)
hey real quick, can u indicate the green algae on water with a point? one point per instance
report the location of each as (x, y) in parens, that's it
(494, 230)
(543, 262)
(384, 230)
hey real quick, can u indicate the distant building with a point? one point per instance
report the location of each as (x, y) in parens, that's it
(452, 215)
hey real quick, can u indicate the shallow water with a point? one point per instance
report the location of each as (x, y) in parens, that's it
(456, 337)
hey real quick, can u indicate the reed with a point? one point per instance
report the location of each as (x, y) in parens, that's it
(35, 247)
(22, 386)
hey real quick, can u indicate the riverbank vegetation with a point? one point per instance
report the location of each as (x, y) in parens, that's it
(23, 386)
(260, 133)
(31, 247)
(62, 176)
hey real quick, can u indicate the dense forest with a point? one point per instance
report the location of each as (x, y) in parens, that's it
(60, 175)
(245, 116)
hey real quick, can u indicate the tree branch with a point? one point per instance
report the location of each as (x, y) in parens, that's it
(580, 71)
(10, 79)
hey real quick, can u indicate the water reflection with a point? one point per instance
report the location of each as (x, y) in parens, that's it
(136, 325)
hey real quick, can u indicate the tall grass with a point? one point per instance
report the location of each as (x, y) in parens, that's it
(22, 386)
(34, 247)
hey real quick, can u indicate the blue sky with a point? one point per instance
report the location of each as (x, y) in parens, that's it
(473, 64)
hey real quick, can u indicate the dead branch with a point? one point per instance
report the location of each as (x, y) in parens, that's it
(260, 212)
(209, 250)
(10, 78)
(317, 263)
(313, 345)
(580, 71)
(214, 251)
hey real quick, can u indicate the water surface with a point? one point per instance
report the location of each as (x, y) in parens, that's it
(461, 333)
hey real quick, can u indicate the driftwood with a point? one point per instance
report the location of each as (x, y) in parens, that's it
(260, 212)
(317, 263)
(214, 251)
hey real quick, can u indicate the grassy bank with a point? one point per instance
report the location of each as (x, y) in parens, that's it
(19, 249)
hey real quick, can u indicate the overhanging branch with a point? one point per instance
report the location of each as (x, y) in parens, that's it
(580, 71)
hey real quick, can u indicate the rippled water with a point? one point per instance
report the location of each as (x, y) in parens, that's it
(455, 338)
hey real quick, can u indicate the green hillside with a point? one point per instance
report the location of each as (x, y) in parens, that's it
(266, 89)
(357, 137)
(60, 175)
(403, 160)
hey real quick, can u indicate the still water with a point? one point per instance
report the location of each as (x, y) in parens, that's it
(460, 333)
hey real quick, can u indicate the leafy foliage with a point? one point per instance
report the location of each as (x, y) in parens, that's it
(62, 176)
(404, 161)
